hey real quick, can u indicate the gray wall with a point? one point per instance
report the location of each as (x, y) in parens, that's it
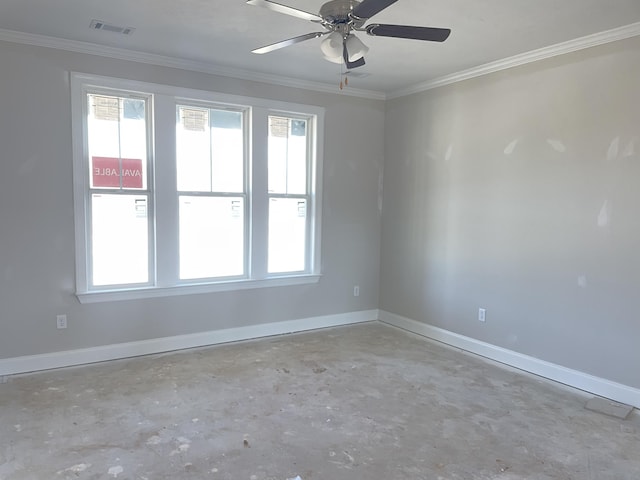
(36, 213)
(516, 192)
(519, 192)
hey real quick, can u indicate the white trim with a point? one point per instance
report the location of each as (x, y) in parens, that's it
(32, 363)
(165, 99)
(227, 286)
(183, 64)
(184, 94)
(581, 43)
(317, 192)
(573, 378)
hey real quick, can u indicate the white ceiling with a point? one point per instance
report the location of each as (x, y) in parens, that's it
(222, 33)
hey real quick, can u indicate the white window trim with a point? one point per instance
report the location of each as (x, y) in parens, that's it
(165, 98)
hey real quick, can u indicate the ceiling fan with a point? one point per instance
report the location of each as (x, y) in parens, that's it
(340, 18)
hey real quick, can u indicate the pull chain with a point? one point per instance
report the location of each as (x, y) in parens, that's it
(344, 80)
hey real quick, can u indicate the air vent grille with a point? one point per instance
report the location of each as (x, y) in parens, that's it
(107, 27)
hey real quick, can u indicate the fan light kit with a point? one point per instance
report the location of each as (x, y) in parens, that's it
(340, 19)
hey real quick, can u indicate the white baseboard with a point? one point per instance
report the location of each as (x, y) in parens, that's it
(46, 361)
(573, 378)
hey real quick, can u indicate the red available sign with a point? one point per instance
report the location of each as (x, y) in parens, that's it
(107, 172)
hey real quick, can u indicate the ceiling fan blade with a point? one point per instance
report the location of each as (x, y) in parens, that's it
(294, 12)
(288, 42)
(429, 34)
(351, 65)
(368, 8)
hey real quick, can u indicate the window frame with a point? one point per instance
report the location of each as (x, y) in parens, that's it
(309, 194)
(164, 194)
(148, 191)
(245, 194)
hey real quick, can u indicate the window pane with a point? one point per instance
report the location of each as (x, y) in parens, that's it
(211, 237)
(117, 141)
(227, 151)
(288, 149)
(287, 234)
(119, 239)
(193, 154)
(210, 150)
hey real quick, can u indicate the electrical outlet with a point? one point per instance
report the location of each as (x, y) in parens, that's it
(356, 290)
(482, 313)
(61, 321)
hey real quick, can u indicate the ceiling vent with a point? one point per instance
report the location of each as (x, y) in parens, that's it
(107, 27)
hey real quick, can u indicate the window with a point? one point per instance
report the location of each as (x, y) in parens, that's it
(210, 158)
(288, 194)
(182, 191)
(117, 141)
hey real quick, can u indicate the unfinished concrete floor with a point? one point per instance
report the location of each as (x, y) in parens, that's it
(367, 402)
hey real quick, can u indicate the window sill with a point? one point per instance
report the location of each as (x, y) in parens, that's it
(156, 292)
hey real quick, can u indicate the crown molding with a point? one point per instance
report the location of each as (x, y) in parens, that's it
(581, 43)
(179, 63)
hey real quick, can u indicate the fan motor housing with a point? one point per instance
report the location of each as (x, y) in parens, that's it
(337, 12)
